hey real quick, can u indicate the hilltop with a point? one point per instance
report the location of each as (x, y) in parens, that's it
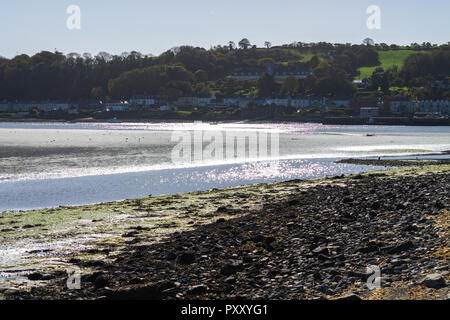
(323, 69)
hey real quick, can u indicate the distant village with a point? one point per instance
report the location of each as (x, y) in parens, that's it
(359, 107)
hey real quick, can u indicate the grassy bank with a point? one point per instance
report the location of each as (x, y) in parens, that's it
(388, 59)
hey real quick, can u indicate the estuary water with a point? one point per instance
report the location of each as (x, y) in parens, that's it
(53, 164)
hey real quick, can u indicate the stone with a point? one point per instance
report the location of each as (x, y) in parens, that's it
(198, 289)
(402, 246)
(35, 276)
(171, 256)
(101, 282)
(230, 280)
(231, 267)
(186, 258)
(350, 297)
(434, 281)
(143, 292)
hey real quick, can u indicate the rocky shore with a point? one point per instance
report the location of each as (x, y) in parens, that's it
(309, 241)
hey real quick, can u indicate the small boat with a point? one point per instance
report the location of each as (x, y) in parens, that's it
(114, 120)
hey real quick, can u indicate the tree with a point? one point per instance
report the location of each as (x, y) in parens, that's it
(314, 62)
(73, 55)
(380, 79)
(87, 56)
(266, 85)
(231, 45)
(368, 42)
(105, 56)
(290, 86)
(310, 83)
(367, 57)
(97, 93)
(267, 44)
(201, 75)
(244, 44)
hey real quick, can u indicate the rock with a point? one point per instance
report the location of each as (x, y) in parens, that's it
(136, 280)
(199, 289)
(222, 209)
(91, 277)
(293, 202)
(186, 258)
(230, 280)
(165, 285)
(143, 292)
(350, 297)
(94, 263)
(171, 256)
(401, 206)
(402, 246)
(232, 267)
(130, 234)
(36, 276)
(101, 282)
(347, 200)
(376, 205)
(74, 261)
(321, 250)
(150, 291)
(434, 281)
(322, 288)
(439, 205)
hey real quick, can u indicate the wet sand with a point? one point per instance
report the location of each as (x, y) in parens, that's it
(54, 153)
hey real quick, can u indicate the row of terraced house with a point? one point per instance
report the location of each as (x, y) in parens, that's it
(45, 107)
(395, 106)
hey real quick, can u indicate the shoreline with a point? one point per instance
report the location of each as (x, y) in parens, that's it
(173, 232)
(323, 121)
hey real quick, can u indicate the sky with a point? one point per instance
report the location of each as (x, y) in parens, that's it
(154, 26)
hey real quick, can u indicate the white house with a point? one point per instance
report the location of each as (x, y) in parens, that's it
(204, 101)
(46, 107)
(168, 108)
(339, 103)
(231, 102)
(19, 107)
(403, 106)
(278, 101)
(369, 112)
(300, 103)
(117, 106)
(196, 101)
(297, 75)
(362, 83)
(277, 75)
(4, 107)
(144, 101)
(435, 106)
(73, 109)
(247, 75)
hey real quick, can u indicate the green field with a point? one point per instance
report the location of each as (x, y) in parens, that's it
(388, 59)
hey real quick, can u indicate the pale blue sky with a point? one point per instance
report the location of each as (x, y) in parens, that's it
(153, 26)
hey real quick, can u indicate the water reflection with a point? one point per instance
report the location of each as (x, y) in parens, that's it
(32, 194)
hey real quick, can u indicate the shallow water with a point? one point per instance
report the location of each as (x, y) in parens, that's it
(52, 164)
(41, 193)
